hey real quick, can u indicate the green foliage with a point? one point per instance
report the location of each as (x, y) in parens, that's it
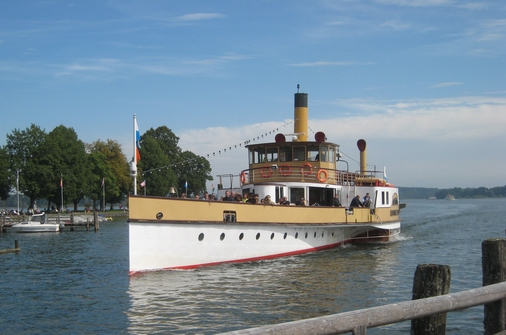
(5, 175)
(56, 160)
(154, 168)
(163, 164)
(23, 147)
(480, 192)
(116, 176)
(195, 170)
(64, 161)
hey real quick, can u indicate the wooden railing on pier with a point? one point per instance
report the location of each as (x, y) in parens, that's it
(493, 296)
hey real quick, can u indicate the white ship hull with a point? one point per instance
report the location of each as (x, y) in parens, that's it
(183, 246)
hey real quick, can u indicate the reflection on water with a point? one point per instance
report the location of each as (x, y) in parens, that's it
(239, 296)
(216, 299)
(77, 282)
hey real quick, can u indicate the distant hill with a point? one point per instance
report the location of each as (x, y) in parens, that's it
(417, 192)
(457, 192)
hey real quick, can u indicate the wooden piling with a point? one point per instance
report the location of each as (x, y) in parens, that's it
(494, 271)
(430, 280)
(16, 248)
(95, 218)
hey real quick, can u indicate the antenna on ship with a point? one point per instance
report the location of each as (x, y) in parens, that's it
(298, 86)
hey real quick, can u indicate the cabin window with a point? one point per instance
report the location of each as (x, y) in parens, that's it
(332, 154)
(324, 153)
(299, 153)
(296, 194)
(257, 156)
(313, 153)
(280, 193)
(285, 154)
(272, 154)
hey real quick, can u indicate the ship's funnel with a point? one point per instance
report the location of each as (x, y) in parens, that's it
(363, 157)
(300, 117)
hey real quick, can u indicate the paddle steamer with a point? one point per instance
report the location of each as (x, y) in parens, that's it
(174, 233)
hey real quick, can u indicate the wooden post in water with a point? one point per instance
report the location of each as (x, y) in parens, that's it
(494, 271)
(95, 218)
(430, 280)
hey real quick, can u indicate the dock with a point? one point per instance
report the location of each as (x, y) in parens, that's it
(71, 221)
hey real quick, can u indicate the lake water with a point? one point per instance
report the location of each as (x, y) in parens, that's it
(78, 283)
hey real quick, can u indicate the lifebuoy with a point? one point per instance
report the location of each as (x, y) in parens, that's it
(285, 170)
(308, 172)
(243, 177)
(325, 175)
(266, 171)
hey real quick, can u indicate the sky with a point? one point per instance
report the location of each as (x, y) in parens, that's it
(422, 81)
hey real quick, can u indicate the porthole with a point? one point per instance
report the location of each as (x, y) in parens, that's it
(258, 236)
(332, 233)
(222, 236)
(314, 234)
(272, 236)
(323, 233)
(241, 236)
(296, 235)
(306, 235)
(284, 236)
(201, 236)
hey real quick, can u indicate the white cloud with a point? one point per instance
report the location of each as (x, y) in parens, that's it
(330, 63)
(199, 17)
(417, 3)
(416, 136)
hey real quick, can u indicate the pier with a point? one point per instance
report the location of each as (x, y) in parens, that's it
(427, 314)
(71, 221)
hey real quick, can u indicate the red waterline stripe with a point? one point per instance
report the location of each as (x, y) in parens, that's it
(244, 260)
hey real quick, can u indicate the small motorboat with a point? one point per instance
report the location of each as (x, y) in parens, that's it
(37, 223)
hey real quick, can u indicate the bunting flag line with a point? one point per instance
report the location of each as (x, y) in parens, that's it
(208, 155)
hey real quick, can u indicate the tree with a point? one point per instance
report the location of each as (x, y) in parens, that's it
(101, 178)
(167, 141)
(63, 157)
(23, 147)
(166, 155)
(116, 177)
(194, 170)
(155, 168)
(5, 175)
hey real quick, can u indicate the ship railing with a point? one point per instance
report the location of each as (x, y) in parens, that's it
(304, 173)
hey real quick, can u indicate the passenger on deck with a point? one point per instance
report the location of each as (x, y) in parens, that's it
(367, 200)
(302, 202)
(245, 198)
(284, 201)
(268, 201)
(336, 202)
(227, 197)
(254, 199)
(355, 202)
